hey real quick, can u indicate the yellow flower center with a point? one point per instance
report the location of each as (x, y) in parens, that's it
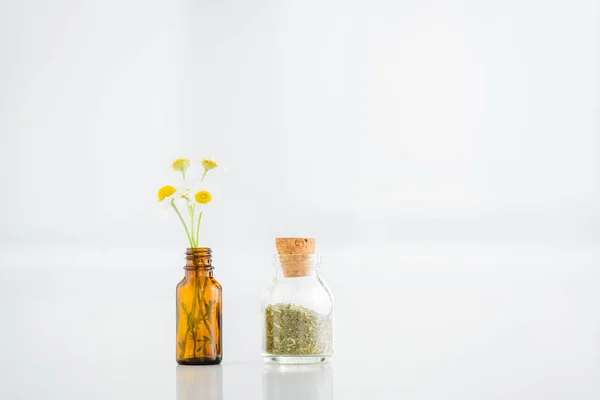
(209, 164)
(203, 197)
(165, 192)
(181, 164)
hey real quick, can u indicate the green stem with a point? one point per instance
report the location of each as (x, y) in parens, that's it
(197, 238)
(183, 222)
(191, 315)
(198, 228)
(193, 311)
(204, 315)
(191, 212)
(184, 343)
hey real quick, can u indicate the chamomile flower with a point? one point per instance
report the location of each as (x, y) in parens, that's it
(204, 196)
(192, 196)
(184, 191)
(209, 164)
(181, 165)
(166, 193)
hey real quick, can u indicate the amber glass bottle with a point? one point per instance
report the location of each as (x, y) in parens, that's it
(199, 304)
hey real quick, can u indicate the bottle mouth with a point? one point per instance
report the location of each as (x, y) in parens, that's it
(198, 250)
(198, 258)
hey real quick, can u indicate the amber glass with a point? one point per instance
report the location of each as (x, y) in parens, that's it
(199, 305)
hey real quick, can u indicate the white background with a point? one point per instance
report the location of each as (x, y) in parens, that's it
(445, 154)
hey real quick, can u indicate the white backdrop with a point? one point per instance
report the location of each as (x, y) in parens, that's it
(339, 119)
(445, 154)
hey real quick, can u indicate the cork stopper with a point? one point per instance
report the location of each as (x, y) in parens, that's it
(295, 245)
(296, 256)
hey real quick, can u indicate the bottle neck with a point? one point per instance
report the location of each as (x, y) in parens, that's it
(198, 262)
(198, 272)
(281, 273)
(296, 265)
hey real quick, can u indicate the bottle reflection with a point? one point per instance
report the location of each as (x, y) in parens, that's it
(199, 383)
(298, 382)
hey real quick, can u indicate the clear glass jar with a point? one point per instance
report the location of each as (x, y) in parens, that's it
(297, 310)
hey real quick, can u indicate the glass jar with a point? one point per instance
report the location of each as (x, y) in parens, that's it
(199, 305)
(297, 310)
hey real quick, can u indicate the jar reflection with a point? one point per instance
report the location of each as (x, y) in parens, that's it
(298, 382)
(199, 383)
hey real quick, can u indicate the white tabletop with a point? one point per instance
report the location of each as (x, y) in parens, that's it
(412, 320)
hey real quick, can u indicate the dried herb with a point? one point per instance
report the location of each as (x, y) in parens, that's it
(296, 330)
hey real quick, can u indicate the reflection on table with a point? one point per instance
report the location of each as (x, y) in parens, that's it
(298, 382)
(199, 383)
